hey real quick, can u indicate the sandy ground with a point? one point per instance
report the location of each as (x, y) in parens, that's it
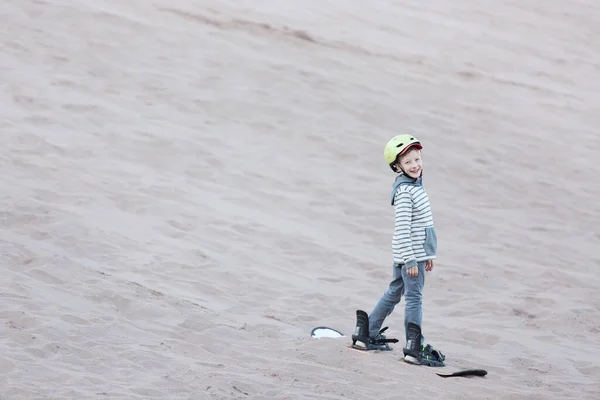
(188, 187)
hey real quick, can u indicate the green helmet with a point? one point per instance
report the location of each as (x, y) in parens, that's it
(399, 145)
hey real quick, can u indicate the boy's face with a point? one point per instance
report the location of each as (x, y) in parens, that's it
(411, 163)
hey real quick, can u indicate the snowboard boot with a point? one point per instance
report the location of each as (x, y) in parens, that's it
(412, 349)
(361, 339)
(416, 353)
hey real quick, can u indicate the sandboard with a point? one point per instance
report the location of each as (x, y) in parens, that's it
(327, 332)
(320, 332)
(464, 372)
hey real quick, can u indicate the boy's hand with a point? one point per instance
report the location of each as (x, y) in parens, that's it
(429, 265)
(413, 271)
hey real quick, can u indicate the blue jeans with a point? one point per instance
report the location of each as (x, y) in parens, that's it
(401, 284)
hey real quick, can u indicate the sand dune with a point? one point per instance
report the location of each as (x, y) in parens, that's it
(190, 187)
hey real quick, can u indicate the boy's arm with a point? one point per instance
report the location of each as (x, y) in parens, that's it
(401, 242)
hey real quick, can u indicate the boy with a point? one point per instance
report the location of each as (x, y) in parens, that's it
(414, 246)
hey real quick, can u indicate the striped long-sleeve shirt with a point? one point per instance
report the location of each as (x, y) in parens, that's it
(414, 237)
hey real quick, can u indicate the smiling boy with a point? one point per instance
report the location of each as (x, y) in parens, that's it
(414, 247)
